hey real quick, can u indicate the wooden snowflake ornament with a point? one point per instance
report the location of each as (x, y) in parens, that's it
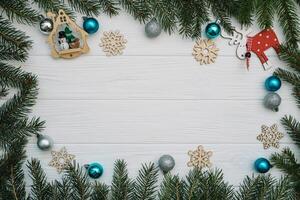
(61, 159)
(205, 51)
(113, 43)
(199, 158)
(270, 136)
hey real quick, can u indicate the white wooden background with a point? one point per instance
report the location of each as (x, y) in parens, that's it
(155, 99)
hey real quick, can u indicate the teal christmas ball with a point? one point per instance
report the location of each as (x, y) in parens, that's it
(212, 30)
(262, 165)
(273, 83)
(94, 170)
(90, 25)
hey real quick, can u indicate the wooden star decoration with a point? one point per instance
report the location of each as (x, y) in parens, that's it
(205, 51)
(61, 159)
(270, 136)
(113, 43)
(199, 158)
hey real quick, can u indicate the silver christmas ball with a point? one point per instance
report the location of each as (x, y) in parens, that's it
(272, 100)
(166, 163)
(46, 26)
(44, 142)
(152, 29)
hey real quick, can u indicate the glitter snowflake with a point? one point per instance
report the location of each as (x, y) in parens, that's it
(199, 158)
(205, 51)
(270, 136)
(113, 43)
(61, 159)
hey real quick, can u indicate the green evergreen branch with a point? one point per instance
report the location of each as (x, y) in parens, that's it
(81, 188)
(265, 12)
(87, 7)
(245, 11)
(109, 7)
(11, 131)
(11, 38)
(165, 12)
(289, 21)
(3, 92)
(20, 11)
(61, 190)
(100, 191)
(122, 186)
(12, 53)
(40, 189)
(286, 162)
(20, 104)
(287, 76)
(139, 9)
(172, 188)
(292, 127)
(12, 185)
(283, 190)
(145, 187)
(291, 56)
(54, 6)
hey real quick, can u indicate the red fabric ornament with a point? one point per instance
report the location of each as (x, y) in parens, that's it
(260, 43)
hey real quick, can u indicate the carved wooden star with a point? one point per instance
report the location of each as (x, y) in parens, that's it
(270, 136)
(199, 158)
(61, 159)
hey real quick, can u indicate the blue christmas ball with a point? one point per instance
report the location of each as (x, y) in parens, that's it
(90, 25)
(212, 30)
(95, 170)
(273, 83)
(262, 165)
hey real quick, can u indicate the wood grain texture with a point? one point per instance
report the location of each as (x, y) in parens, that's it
(153, 100)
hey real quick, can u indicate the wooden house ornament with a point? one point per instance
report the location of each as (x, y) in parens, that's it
(67, 39)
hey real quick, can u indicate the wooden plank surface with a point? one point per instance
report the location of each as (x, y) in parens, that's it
(155, 99)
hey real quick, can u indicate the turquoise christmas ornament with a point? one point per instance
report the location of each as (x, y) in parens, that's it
(90, 25)
(273, 83)
(262, 165)
(94, 170)
(212, 30)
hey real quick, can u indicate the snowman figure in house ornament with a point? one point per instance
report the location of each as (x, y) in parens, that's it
(257, 44)
(62, 41)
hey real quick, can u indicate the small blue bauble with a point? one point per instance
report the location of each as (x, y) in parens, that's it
(90, 25)
(273, 83)
(95, 170)
(262, 165)
(212, 30)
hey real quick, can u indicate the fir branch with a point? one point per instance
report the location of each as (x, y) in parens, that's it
(165, 12)
(222, 10)
(296, 94)
(41, 189)
(20, 11)
(283, 190)
(11, 38)
(12, 53)
(287, 76)
(54, 6)
(292, 127)
(122, 186)
(100, 192)
(81, 188)
(61, 190)
(109, 7)
(291, 56)
(12, 185)
(289, 21)
(87, 7)
(11, 131)
(3, 92)
(20, 104)
(245, 11)
(265, 12)
(139, 9)
(172, 188)
(286, 162)
(145, 184)
(260, 187)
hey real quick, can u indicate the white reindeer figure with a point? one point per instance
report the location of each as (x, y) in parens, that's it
(258, 44)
